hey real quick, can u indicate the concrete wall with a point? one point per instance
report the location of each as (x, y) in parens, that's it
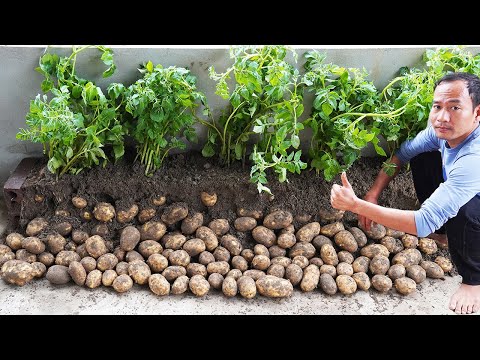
(20, 83)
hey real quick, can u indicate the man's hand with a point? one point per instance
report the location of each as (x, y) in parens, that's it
(343, 197)
(363, 222)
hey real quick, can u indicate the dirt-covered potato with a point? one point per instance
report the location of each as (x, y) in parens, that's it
(328, 269)
(146, 214)
(167, 253)
(381, 283)
(264, 236)
(174, 213)
(328, 284)
(6, 257)
(232, 244)
(25, 255)
(238, 262)
(70, 246)
(64, 228)
(248, 254)
(260, 262)
(329, 255)
(344, 268)
(302, 249)
(362, 280)
(254, 274)
(260, 249)
(33, 244)
(39, 269)
(307, 232)
(346, 284)
(191, 223)
(294, 274)
(316, 261)
(122, 283)
(276, 270)
(396, 271)
(149, 247)
(209, 199)
(221, 254)
(62, 212)
(94, 279)
(215, 280)
(374, 249)
(272, 286)
(152, 230)
(256, 214)
(405, 285)
(359, 236)
(208, 237)
(104, 212)
(302, 218)
(159, 200)
(319, 240)
(89, 263)
(281, 260)
(246, 287)
(311, 276)
(106, 262)
(79, 237)
(361, 264)
(122, 268)
(65, 257)
(219, 226)
(331, 229)
(229, 286)
(196, 269)
(376, 232)
(139, 272)
(176, 241)
(346, 241)
(221, 267)
(427, 246)
(129, 238)
(432, 269)
(134, 255)
(36, 226)
(77, 273)
(86, 215)
(409, 241)
(206, 258)
(290, 229)
(14, 241)
(379, 265)
(198, 285)
(330, 215)
(444, 263)
(95, 246)
(179, 258)
(345, 256)
(125, 216)
(286, 240)
(180, 285)
(407, 257)
(55, 243)
(276, 251)
(159, 285)
(79, 202)
(245, 223)
(391, 244)
(101, 230)
(57, 274)
(157, 263)
(278, 220)
(394, 233)
(108, 277)
(17, 272)
(301, 261)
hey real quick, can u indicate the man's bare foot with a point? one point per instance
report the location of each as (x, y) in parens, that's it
(440, 240)
(466, 299)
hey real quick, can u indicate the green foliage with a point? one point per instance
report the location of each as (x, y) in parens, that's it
(163, 105)
(79, 120)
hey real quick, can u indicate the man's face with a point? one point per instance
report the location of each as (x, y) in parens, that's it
(452, 114)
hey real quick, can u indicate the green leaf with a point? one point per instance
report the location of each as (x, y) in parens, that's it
(238, 151)
(149, 66)
(118, 150)
(327, 109)
(69, 153)
(208, 150)
(295, 141)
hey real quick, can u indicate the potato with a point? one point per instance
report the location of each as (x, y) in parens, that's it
(286, 240)
(248, 254)
(152, 230)
(65, 257)
(346, 284)
(146, 214)
(346, 241)
(261, 262)
(316, 261)
(344, 268)
(180, 285)
(125, 216)
(229, 286)
(276, 251)
(122, 283)
(221, 267)
(390, 243)
(14, 240)
(86, 215)
(329, 255)
(256, 214)
(62, 212)
(376, 232)
(159, 200)
(444, 263)
(276, 270)
(254, 274)
(79, 202)
(331, 229)
(55, 243)
(157, 263)
(215, 280)
(278, 220)
(396, 271)
(139, 272)
(167, 253)
(175, 241)
(88, 263)
(329, 215)
(206, 258)
(198, 285)
(36, 226)
(104, 212)
(427, 246)
(271, 286)
(290, 229)
(174, 213)
(264, 236)
(381, 283)
(374, 249)
(294, 274)
(303, 218)
(191, 223)
(232, 244)
(17, 272)
(107, 262)
(319, 240)
(235, 273)
(405, 286)
(159, 285)
(57, 274)
(260, 249)
(25, 255)
(238, 262)
(359, 236)
(409, 241)
(307, 232)
(149, 247)
(122, 268)
(95, 246)
(64, 228)
(301, 261)
(281, 260)
(179, 258)
(33, 244)
(79, 236)
(328, 269)
(209, 199)
(362, 280)
(432, 269)
(246, 287)
(407, 257)
(311, 277)
(394, 233)
(361, 264)
(108, 277)
(303, 249)
(208, 236)
(379, 265)
(6, 257)
(328, 284)
(245, 223)
(94, 279)
(219, 226)
(39, 269)
(345, 256)
(70, 246)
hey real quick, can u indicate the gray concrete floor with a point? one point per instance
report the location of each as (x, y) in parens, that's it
(41, 297)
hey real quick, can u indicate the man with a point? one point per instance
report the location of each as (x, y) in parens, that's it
(454, 131)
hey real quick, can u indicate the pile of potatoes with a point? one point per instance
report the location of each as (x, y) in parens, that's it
(175, 251)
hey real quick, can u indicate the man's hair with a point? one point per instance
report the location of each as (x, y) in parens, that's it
(472, 81)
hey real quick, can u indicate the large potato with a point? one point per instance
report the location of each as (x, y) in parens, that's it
(276, 270)
(346, 241)
(301, 261)
(219, 226)
(206, 258)
(129, 238)
(174, 241)
(14, 241)
(245, 223)
(159, 285)
(57, 274)
(311, 276)
(174, 213)
(94, 279)
(302, 249)
(221, 267)
(180, 285)
(328, 269)
(79, 237)
(261, 262)
(294, 274)
(229, 286)
(89, 263)
(331, 229)
(281, 260)
(319, 240)
(95, 246)
(221, 254)
(271, 286)
(36, 226)
(232, 244)
(179, 258)
(405, 285)
(344, 268)
(191, 223)
(25, 255)
(149, 247)
(125, 216)
(278, 220)
(65, 257)
(328, 284)
(246, 287)
(173, 272)
(409, 241)
(407, 257)
(239, 262)
(106, 262)
(346, 284)
(307, 232)
(157, 263)
(198, 285)
(361, 264)
(139, 272)
(359, 236)
(376, 232)
(362, 280)
(122, 283)
(215, 280)
(104, 212)
(194, 246)
(8, 256)
(208, 237)
(122, 268)
(329, 255)
(33, 244)
(264, 236)
(208, 199)
(55, 243)
(39, 269)
(64, 228)
(17, 272)
(286, 240)
(196, 269)
(79, 202)
(444, 263)
(432, 269)
(396, 271)
(329, 215)
(427, 246)
(260, 249)
(152, 230)
(108, 277)
(276, 251)
(379, 265)
(374, 249)
(381, 283)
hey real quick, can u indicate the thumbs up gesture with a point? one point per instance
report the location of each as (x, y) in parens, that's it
(342, 197)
